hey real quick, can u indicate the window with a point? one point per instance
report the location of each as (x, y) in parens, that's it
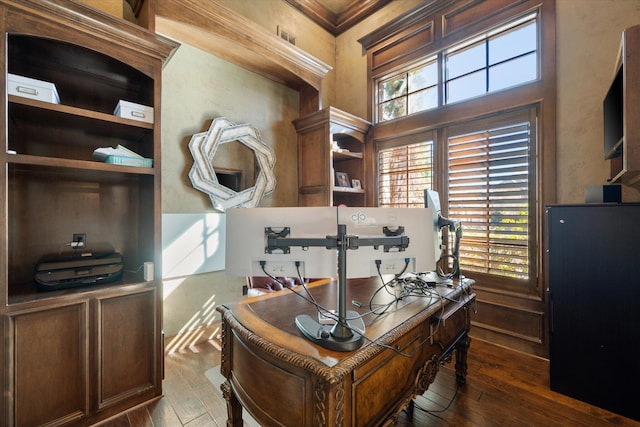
(491, 123)
(489, 190)
(408, 92)
(489, 187)
(486, 173)
(404, 173)
(499, 59)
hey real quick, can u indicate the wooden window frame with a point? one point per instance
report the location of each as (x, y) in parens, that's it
(433, 27)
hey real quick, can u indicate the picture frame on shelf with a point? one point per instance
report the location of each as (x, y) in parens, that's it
(342, 179)
(355, 184)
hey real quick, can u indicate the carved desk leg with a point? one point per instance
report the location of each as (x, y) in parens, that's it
(462, 348)
(234, 409)
(426, 376)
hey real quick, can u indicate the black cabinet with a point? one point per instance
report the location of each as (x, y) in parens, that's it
(593, 267)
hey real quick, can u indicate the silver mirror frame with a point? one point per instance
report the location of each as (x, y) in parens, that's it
(203, 148)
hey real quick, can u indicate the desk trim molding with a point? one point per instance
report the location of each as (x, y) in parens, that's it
(336, 373)
(331, 377)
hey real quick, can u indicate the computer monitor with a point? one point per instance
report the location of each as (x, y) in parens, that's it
(366, 223)
(271, 241)
(246, 243)
(432, 201)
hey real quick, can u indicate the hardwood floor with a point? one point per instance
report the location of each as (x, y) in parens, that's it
(504, 388)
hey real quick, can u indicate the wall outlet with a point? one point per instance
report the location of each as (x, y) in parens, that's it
(79, 241)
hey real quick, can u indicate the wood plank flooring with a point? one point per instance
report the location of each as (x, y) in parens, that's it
(504, 388)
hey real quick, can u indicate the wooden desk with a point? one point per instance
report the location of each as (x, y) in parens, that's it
(283, 379)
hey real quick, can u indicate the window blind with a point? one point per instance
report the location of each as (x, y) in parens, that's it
(403, 173)
(488, 191)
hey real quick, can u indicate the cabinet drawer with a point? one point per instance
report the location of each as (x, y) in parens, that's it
(447, 326)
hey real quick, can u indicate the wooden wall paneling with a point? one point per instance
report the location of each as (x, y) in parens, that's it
(310, 99)
(463, 14)
(523, 329)
(512, 316)
(410, 45)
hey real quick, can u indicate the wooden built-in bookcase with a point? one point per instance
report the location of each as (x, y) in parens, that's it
(82, 354)
(331, 141)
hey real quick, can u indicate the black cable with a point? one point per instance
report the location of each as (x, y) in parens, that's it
(435, 411)
(311, 300)
(304, 283)
(421, 284)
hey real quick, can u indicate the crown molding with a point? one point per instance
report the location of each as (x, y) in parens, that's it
(214, 28)
(337, 23)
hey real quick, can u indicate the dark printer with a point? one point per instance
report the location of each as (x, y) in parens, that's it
(78, 268)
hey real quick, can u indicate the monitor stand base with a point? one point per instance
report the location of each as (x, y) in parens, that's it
(324, 335)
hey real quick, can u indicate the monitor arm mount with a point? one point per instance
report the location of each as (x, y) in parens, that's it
(456, 228)
(347, 334)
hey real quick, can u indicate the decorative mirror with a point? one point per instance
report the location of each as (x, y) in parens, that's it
(232, 164)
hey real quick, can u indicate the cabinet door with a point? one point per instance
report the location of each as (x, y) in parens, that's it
(593, 268)
(128, 347)
(50, 359)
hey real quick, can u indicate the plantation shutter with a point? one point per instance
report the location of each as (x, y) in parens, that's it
(489, 192)
(403, 174)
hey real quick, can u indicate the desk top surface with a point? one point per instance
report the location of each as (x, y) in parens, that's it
(269, 320)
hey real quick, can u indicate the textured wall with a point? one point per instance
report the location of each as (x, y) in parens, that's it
(198, 87)
(310, 37)
(351, 60)
(588, 36)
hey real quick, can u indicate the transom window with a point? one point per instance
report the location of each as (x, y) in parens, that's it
(498, 59)
(409, 92)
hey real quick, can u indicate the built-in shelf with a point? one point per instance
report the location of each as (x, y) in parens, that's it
(346, 155)
(319, 160)
(101, 331)
(348, 190)
(79, 112)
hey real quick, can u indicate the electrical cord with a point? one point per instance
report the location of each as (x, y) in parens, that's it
(135, 271)
(310, 299)
(395, 275)
(455, 237)
(443, 409)
(413, 286)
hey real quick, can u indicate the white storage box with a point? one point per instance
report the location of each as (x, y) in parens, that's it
(130, 110)
(32, 88)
